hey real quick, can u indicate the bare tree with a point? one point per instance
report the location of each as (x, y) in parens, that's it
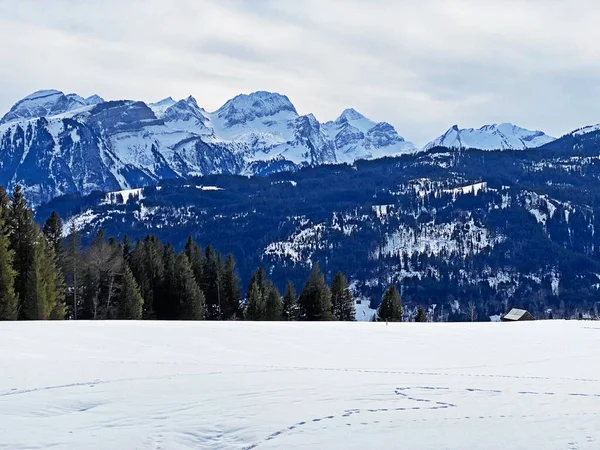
(105, 263)
(472, 311)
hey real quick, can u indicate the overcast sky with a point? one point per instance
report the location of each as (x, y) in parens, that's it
(422, 65)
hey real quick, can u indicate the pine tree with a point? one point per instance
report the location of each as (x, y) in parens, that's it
(44, 293)
(127, 249)
(341, 299)
(273, 304)
(255, 305)
(54, 283)
(231, 291)
(4, 207)
(167, 296)
(153, 271)
(211, 283)
(196, 258)
(33, 305)
(260, 278)
(23, 235)
(53, 272)
(390, 309)
(53, 232)
(315, 299)
(8, 298)
(291, 309)
(421, 315)
(130, 301)
(191, 299)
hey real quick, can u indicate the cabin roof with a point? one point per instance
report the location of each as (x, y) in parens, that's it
(515, 314)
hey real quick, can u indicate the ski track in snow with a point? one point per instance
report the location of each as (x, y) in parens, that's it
(402, 393)
(399, 392)
(415, 394)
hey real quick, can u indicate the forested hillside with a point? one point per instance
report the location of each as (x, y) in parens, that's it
(468, 233)
(44, 276)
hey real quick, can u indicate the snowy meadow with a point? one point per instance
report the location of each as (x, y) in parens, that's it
(236, 385)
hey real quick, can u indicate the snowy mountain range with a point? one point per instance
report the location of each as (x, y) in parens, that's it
(53, 143)
(505, 136)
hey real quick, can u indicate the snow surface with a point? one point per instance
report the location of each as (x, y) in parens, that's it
(178, 385)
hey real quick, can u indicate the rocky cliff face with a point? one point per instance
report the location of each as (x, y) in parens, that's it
(55, 144)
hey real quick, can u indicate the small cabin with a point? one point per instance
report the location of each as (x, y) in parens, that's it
(517, 315)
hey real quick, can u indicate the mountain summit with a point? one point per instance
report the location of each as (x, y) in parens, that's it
(246, 108)
(505, 136)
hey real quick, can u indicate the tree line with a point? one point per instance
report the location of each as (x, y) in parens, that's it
(44, 276)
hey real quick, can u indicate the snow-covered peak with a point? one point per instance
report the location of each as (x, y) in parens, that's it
(504, 136)
(77, 99)
(41, 95)
(245, 108)
(94, 100)
(192, 101)
(47, 103)
(184, 115)
(349, 115)
(43, 103)
(161, 106)
(358, 137)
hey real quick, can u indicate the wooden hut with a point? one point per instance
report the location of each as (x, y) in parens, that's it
(517, 315)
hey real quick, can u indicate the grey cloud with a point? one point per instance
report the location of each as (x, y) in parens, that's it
(423, 66)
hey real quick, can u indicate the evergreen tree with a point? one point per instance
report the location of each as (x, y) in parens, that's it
(127, 250)
(341, 299)
(8, 298)
(23, 235)
(315, 299)
(196, 258)
(130, 301)
(44, 290)
(390, 309)
(4, 208)
(167, 296)
(421, 315)
(255, 305)
(273, 304)
(153, 270)
(138, 270)
(191, 299)
(291, 309)
(53, 272)
(231, 291)
(33, 306)
(54, 284)
(211, 283)
(260, 278)
(53, 231)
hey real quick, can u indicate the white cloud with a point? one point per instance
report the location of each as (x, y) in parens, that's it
(423, 66)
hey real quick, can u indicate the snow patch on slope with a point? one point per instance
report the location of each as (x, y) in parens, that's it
(463, 239)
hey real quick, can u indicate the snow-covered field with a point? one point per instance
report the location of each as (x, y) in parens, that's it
(152, 385)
